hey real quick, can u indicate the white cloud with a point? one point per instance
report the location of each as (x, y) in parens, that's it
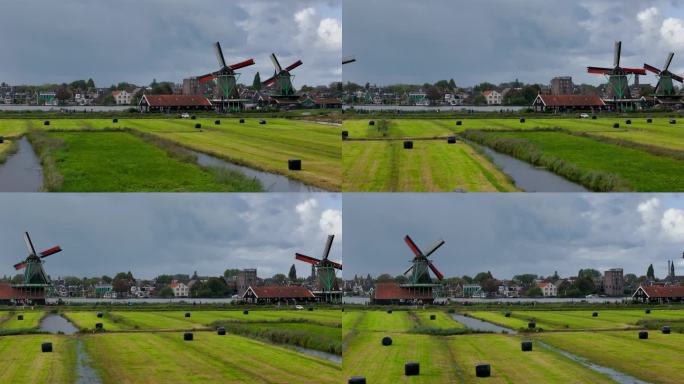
(672, 30)
(331, 222)
(650, 213)
(330, 33)
(672, 224)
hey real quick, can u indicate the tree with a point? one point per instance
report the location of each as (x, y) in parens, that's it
(526, 280)
(535, 292)
(256, 84)
(650, 273)
(555, 277)
(164, 279)
(589, 272)
(292, 275)
(279, 279)
(482, 276)
(400, 279)
(18, 278)
(479, 100)
(490, 285)
(432, 93)
(484, 87)
(452, 84)
(165, 292)
(231, 272)
(106, 279)
(63, 94)
(384, 278)
(90, 84)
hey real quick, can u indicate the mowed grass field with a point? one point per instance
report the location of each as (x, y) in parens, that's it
(9, 321)
(23, 362)
(264, 147)
(577, 320)
(446, 359)
(643, 156)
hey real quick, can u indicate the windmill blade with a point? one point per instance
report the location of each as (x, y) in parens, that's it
(269, 81)
(634, 71)
(205, 78)
(19, 266)
(677, 78)
(328, 244)
(219, 55)
(618, 51)
(438, 244)
(51, 251)
(276, 64)
(408, 270)
(348, 59)
(242, 64)
(437, 273)
(655, 90)
(413, 246)
(669, 61)
(294, 65)
(334, 264)
(307, 259)
(651, 68)
(599, 70)
(29, 244)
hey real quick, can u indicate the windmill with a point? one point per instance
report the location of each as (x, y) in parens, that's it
(326, 269)
(618, 81)
(420, 263)
(348, 60)
(281, 81)
(665, 90)
(34, 274)
(226, 77)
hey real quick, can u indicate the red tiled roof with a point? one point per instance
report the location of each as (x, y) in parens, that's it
(177, 101)
(392, 291)
(8, 292)
(572, 101)
(328, 101)
(664, 291)
(277, 291)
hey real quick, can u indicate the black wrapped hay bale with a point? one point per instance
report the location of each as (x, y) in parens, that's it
(2, 139)
(616, 125)
(187, 314)
(310, 309)
(412, 369)
(507, 314)
(345, 134)
(459, 122)
(595, 314)
(483, 370)
(198, 125)
(245, 312)
(451, 140)
(386, 341)
(20, 317)
(666, 330)
(99, 315)
(673, 121)
(262, 122)
(217, 122)
(187, 336)
(433, 317)
(294, 165)
(643, 335)
(532, 325)
(648, 311)
(357, 380)
(522, 119)
(372, 122)
(115, 120)
(99, 326)
(649, 121)
(193, 117)
(526, 346)
(389, 311)
(221, 331)
(242, 121)
(594, 117)
(46, 347)
(408, 144)
(628, 121)
(46, 122)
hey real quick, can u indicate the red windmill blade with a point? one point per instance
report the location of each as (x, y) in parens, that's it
(434, 269)
(32, 251)
(324, 261)
(279, 71)
(224, 69)
(413, 246)
(421, 257)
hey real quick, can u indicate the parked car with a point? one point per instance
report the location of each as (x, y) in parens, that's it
(185, 115)
(299, 307)
(584, 116)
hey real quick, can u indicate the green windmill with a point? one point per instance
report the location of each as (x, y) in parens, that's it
(226, 77)
(326, 269)
(665, 90)
(420, 263)
(34, 274)
(618, 79)
(281, 81)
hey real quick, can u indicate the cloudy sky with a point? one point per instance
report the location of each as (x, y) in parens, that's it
(406, 41)
(151, 234)
(136, 41)
(514, 233)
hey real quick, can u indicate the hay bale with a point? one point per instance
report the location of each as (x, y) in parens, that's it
(666, 330)
(628, 121)
(673, 121)
(187, 314)
(451, 140)
(433, 317)
(648, 311)
(522, 119)
(643, 335)
(46, 347)
(188, 336)
(20, 317)
(408, 144)
(595, 314)
(483, 370)
(526, 346)
(294, 165)
(221, 331)
(594, 117)
(345, 134)
(649, 121)
(193, 117)
(616, 125)
(507, 314)
(386, 341)
(372, 122)
(2, 139)
(411, 369)
(99, 315)
(115, 120)
(262, 122)
(99, 326)
(459, 122)
(389, 311)
(357, 380)
(242, 121)
(217, 122)
(198, 125)
(532, 325)
(46, 122)
(310, 309)
(245, 312)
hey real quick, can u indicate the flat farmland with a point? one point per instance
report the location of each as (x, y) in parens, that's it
(10, 320)
(23, 362)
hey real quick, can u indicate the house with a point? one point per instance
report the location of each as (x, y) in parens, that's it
(168, 103)
(548, 289)
(452, 99)
(561, 103)
(493, 97)
(613, 282)
(122, 97)
(277, 294)
(179, 289)
(393, 293)
(47, 98)
(101, 289)
(12, 295)
(659, 294)
(418, 98)
(470, 290)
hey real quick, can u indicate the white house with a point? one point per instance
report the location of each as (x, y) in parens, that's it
(122, 97)
(179, 289)
(493, 97)
(548, 289)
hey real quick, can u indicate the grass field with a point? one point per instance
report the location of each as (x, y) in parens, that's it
(656, 360)
(377, 166)
(265, 147)
(11, 321)
(23, 362)
(635, 157)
